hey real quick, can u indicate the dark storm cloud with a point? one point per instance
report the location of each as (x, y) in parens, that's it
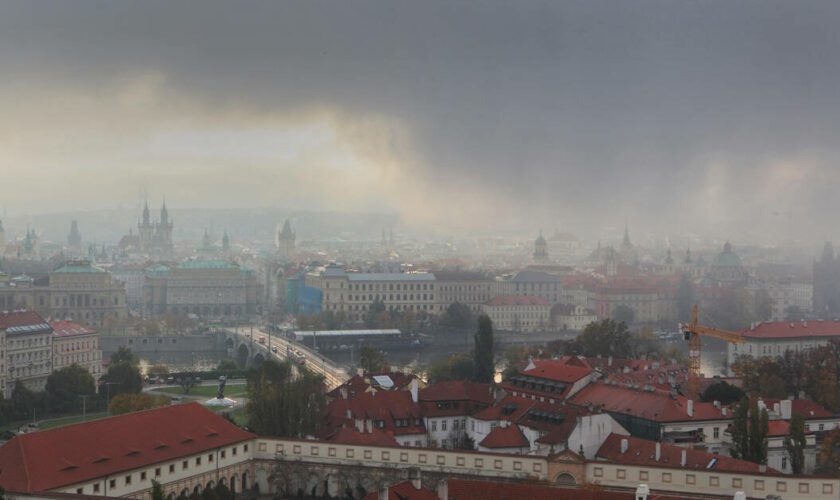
(614, 109)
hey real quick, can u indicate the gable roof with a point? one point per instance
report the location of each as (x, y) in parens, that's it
(23, 321)
(49, 459)
(795, 329)
(64, 328)
(376, 437)
(505, 437)
(643, 452)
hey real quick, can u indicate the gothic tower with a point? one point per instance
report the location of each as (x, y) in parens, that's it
(540, 249)
(286, 241)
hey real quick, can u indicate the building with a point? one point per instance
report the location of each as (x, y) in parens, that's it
(774, 338)
(470, 288)
(133, 276)
(826, 287)
(540, 250)
(551, 380)
(206, 288)
(726, 269)
(790, 295)
(446, 407)
(286, 242)
(356, 293)
(519, 313)
(78, 291)
(183, 447)
(572, 317)
(74, 344)
(531, 282)
(74, 238)
(155, 237)
(28, 349)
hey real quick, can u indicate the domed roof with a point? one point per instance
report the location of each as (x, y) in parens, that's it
(727, 258)
(540, 239)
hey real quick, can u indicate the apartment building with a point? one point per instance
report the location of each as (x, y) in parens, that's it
(75, 344)
(28, 350)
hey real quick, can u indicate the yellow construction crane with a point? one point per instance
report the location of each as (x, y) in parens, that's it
(692, 332)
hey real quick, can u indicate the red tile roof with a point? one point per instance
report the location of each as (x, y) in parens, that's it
(796, 329)
(536, 415)
(517, 300)
(656, 405)
(349, 435)
(384, 406)
(45, 460)
(643, 452)
(455, 397)
(567, 369)
(505, 437)
(461, 489)
(810, 410)
(358, 384)
(13, 320)
(776, 428)
(404, 491)
(69, 328)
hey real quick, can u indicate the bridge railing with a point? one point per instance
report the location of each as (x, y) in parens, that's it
(431, 460)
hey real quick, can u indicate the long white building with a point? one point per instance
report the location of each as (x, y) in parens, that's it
(773, 339)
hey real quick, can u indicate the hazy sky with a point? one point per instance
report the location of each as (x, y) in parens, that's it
(721, 116)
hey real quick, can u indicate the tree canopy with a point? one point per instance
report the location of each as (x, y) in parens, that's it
(605, 338)
(455, 367)
(723, 392)
(372, 360)
(483, 356)
(749, 432)
(65, 386)
(280, 404)
(795, 443)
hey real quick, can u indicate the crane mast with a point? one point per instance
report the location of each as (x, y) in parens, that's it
(692, 333)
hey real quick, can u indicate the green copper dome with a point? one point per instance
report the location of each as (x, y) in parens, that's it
(727, 258)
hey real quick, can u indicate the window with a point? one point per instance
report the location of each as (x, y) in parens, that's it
(197, 460)
(736, 482)
(96, 488)
(233, 451)
(714, 481)
(434, 425)
(716, 432)
(223, 453)
(759, 484)
(78, 490)
(143, 476)
(157, 472)
(112, 483)
(784, 462)
(666, 477)
(781, 486)
(128, 479)
(621, 473)
(443, 425)
(184, 465)
(210, 457)
(643, 475)
(245, 448)
(171, 468)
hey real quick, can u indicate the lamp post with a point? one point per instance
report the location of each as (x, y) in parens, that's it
(108, 396)
(84, 406)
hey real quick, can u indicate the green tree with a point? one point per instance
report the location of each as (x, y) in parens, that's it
(749, 432)
(25, 402)
(723, 392)
(605, 338)
(456, 367)
(372, 360)
(64, 387)
(187, 381)
(280, 404)
(458, 315)
(157, 491)
(374, 316)
(795, 444)
(623, 314)
(483, 355)
(124, 378)
(227, 364)
(124, 355)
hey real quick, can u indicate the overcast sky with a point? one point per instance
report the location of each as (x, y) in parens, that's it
(720, 116)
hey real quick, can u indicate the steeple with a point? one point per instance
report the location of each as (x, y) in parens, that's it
(225, 242)
(625, 243)
(146, 217)
(164, 214)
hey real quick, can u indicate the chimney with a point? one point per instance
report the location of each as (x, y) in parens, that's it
(415, 387)
(360, 372)
(786, 406)
(343, 391)
(683, 458)
(716, 404)
(383, 492)
(625, 444)
(690, 408)
(658, 450)
(724, 411)
(609, 360)
(642, 492)
(762, 468)
(443, 490)
(348, 413)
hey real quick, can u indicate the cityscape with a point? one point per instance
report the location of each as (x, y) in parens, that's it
(419, 250)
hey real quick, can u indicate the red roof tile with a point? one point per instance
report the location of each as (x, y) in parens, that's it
(505, 437)
(380, 406)
(796, 329)
(776, 428)
(17, 319)
(44, 460)
(69, 328)
(460, 489)
(567, 369)
(656, 405)
(643, 452)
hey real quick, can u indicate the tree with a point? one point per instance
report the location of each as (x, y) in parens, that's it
(124, 378)
(455, 367)
(458, 315)
(623, 314)
(127, 403)
(723, 392)
(187, 381)
(749, 432)
(157, 370)
(795, 444)
(282, 405)
(605, 338)
(483, 355)
(64, 387)
(373, 318)
(25, 402)
(762, 309)
(372, 360)
(157, 491)
(124, 355)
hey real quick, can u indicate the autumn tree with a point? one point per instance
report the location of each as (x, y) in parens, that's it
(749, 432)
(280, 404)
(455, 367)
(605, 338)
(127, 403)
(372, 360)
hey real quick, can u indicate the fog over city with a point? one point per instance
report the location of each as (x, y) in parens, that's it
(710, 118)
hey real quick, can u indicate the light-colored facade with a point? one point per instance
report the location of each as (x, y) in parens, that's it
(773, 339)
(472, 289)
(355, 293)
(206, 288)
(28, 350)
(799, 295)
(74, 344)
(572, 317)
(77, 291)
(519, 313)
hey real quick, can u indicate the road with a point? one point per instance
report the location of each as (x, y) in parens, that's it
(333, 374)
